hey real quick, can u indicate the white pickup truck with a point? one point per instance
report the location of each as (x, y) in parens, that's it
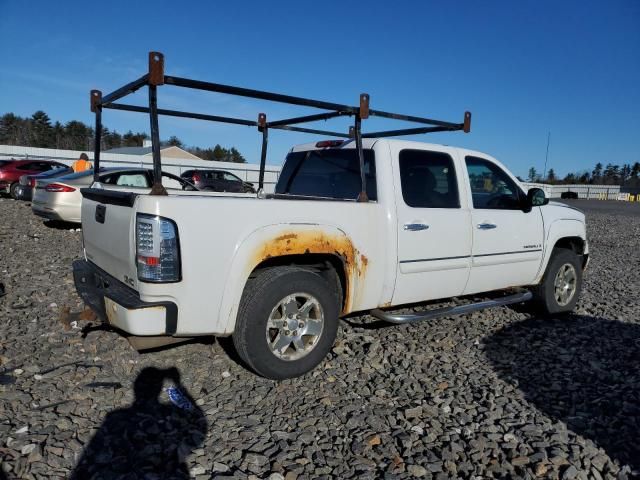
(277, 271)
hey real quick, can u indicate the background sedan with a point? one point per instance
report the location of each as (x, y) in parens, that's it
(60, 198)
(24, 190)
(217, 181)
(11, 171)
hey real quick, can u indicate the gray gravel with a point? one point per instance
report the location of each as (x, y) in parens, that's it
(494, 394)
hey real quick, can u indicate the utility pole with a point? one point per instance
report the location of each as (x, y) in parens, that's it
(546, 157)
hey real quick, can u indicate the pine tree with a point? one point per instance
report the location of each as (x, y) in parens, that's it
(10, 126)
(532, 174)
(41, 130)
(611, 174)
(57, 134)
(174, 141)
(219, 154)
(551, 176)
(236, 157)
(625, 173)
(78, 136)
(596, 175)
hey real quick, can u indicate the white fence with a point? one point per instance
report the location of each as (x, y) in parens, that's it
(246, 171)
(599, 192)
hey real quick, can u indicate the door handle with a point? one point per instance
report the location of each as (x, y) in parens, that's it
(486, 226)
(415, 227)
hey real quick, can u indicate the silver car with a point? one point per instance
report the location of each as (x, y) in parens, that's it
(60, 198)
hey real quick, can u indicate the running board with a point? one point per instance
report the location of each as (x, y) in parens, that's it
(447, 311)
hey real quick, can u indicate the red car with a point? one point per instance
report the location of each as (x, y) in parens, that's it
(12, 170)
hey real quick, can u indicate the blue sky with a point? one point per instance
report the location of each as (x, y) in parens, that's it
(522, 68)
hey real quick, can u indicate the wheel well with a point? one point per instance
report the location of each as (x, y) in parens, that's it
(576, 244)
(330, 267)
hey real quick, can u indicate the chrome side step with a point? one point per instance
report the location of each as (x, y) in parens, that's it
(447, 311)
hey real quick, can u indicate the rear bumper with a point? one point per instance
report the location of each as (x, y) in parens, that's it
(120, 306)
(55, 212)
(45, 212)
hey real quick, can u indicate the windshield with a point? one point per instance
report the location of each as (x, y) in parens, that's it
(84, 173)
(54, 172)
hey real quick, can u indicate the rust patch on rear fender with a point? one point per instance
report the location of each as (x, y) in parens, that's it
(314, 241)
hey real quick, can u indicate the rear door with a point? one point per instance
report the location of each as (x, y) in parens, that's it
(507, 242)
(231, 182)
(434, 237)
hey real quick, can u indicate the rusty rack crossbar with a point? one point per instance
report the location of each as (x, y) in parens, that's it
(156, 77)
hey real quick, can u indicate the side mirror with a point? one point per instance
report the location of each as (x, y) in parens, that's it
(535, 198)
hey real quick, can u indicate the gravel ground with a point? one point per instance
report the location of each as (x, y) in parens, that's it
(494, 394)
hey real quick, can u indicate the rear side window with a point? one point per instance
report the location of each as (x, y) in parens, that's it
(230, 177)
(428, 179)
(330, 173)
(28, 167)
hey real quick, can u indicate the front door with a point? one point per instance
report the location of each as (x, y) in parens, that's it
(507, 242)
(434, 237)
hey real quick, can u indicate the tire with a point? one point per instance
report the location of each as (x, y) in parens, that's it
(550, 299)
(263, 304)
(12, 190)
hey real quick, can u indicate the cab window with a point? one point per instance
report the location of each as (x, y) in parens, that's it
(491, 187)
(428, 179)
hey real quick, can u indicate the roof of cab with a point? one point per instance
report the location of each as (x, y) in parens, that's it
(370, 142)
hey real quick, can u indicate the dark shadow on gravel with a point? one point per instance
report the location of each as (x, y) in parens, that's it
(227, 346)
(582, 370)
(60, 225)
(149, 439)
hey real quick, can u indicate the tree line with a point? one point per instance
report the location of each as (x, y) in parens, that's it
(39, 131)
(627, 175)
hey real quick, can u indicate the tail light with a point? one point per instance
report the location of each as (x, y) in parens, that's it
(58, 187)
(157, 249)
(196, 177)
(32, 182)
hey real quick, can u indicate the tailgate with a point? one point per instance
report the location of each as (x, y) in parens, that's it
(108, 222)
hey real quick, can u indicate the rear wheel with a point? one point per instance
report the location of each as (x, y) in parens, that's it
(562, 282)
(12, 190)
(287, 322)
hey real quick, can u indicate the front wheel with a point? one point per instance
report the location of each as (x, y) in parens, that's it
(287, 322)
(562, 282)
